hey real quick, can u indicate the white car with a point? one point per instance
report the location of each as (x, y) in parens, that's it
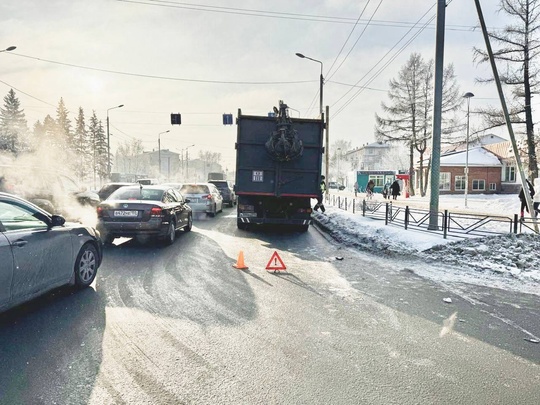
(203, 197)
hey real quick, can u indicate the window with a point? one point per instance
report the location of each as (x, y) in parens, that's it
(460, 183)
(444, 181)
(378, 180)
(15, 217)
(492, 186)
(478, 185)
(509, 174)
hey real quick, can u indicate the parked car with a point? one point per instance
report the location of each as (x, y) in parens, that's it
(149, 211)
(203, 197)
(227, 192)
(50, 190)
(40, 251)
(110, 188)
(148, 182)
(336, 186)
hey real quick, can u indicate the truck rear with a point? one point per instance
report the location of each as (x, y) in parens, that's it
(278, 169)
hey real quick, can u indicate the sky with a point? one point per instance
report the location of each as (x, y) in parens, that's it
(206, 58)
(508, 261)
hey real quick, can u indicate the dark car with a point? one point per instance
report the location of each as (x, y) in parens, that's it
(109, 188)
(40, 252)
(336, 186)
(144, 211)
(50, 190)
(226, 191)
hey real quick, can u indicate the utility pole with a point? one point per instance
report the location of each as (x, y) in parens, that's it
(437, 118)
(327, 146)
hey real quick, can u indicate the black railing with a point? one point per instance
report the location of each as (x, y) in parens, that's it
(449, 223)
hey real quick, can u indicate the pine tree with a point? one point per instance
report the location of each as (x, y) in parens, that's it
(64, 124)
(83, 148)
(13, 126)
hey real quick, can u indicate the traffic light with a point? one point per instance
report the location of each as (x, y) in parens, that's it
(176, 119)
(227, 119)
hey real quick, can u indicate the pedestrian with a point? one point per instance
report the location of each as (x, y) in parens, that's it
(356, 189)
(322, 190)
(524, 200)
(370, 188)
(386, 190)
(395, 189)
(536, 197)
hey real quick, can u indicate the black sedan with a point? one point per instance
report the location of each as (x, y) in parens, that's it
(40, 251)
(144, 211)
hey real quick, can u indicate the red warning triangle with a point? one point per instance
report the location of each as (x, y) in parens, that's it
(275, 263)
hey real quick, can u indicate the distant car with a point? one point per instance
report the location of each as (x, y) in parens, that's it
(109, 188)
(203, 197)
(148, 182)
(144, 211)
(50, 190)
(227, 192)
(40, 251)
(336, 186)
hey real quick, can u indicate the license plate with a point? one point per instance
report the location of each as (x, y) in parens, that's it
(126, 213)
(193, 200)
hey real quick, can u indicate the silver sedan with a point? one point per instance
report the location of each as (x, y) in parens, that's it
(40, 252)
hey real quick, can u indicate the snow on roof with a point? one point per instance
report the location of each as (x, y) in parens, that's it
(478, 156)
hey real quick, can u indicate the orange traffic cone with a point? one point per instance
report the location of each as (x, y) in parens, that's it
(240, 262)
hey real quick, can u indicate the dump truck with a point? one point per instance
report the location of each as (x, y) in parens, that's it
(278, 168)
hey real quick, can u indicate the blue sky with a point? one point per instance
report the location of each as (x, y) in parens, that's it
(239, 42)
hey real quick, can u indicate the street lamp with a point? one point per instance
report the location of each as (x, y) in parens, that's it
(109, 141)
(11, 48)
(187, 160)
(468, 97)
(159, 149)
(320, 83)
(338, 164)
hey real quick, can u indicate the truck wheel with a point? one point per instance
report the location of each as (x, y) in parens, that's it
(303, 228)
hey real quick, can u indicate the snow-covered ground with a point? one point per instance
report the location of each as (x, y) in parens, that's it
(504, 261)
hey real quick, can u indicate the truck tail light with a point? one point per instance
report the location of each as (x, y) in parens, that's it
(304, 210)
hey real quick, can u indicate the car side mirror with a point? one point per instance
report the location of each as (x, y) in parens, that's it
(57, 220)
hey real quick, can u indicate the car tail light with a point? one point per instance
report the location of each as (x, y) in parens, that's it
(156, 212)
(99, 211)
(209, 197)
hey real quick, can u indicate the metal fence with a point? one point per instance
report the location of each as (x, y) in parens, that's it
(448, 223)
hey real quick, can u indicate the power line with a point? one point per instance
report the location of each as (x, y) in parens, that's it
(284, 15)
(155, 76)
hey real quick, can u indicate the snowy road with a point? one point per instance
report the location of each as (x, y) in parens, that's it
(181, 325)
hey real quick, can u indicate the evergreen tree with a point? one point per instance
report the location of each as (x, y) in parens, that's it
(64, 124)
(99, 145)
(13, 126)
(82, 145)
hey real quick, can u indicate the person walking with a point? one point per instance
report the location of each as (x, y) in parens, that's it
(524, 200)
(369, 189)
(386, 190)
(536, 197)
(395, 189)
(356, 188)
(320, 197)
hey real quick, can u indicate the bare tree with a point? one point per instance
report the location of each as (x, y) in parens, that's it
(519, 50)
(410, 111)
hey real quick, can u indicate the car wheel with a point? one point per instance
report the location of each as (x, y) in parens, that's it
(221, 207)
(213, 213)
(189, 225)
(171, 234)
(86, 266)
(108, 239)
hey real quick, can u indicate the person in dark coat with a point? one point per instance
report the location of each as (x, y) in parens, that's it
(322, 190)
(524, 200)
(395, 189)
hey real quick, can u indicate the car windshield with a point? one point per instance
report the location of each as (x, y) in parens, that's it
(125, 193)
(194, 189)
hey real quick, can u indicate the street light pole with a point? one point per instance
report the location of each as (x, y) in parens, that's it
(468, 97)
(321, 81)
(109, 141)
(159, 149)
(187, 161)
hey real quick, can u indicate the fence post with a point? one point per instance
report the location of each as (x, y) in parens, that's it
(516, 223)
(364, 207)
(346, 206)
(353, 205)
(445, 223)
(406, 217)
(386, 215)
